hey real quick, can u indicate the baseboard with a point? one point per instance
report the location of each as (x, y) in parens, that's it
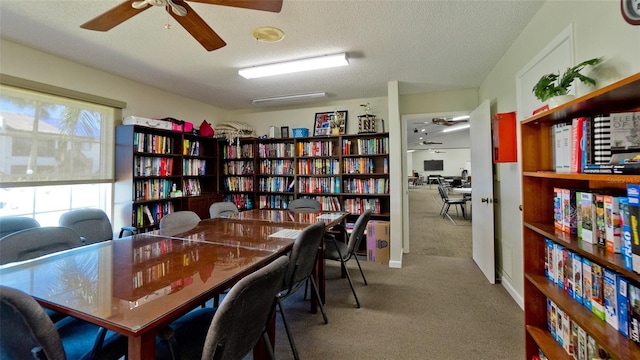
(395, 264)
(512, 291)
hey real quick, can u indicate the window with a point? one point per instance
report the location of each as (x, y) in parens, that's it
(56, 150)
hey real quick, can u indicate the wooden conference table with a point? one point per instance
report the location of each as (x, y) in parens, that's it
(137, 285)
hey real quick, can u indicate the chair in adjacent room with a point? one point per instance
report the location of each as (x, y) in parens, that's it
(304, 204)
(92, 224)
(343, 252)
(11, 224)
(302, 263)
(232, 330)
(222, 209)
(28, 333)
(448, 201)
(179, 218)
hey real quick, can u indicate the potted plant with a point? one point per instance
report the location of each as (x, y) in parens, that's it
(553, 85)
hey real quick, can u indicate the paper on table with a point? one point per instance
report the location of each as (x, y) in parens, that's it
(286, 233)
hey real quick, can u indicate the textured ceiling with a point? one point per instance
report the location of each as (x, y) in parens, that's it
(425, 45)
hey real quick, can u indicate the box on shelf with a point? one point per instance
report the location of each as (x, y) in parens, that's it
(150, 123)
(378, 239)
(300, 132)
(274, 132)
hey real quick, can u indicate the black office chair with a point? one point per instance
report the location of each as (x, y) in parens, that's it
(28, 333)
(232, 330)
(447, 202)
(304, 204)
(92, 224)
(302, 262)
(179, 218)
(222, 209)
(11, 224)
(339, 251)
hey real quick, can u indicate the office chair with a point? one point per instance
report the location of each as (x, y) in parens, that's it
(233, 329)
(339, 251)
(304, 204)
(222, 209)
(11, 224)
(179, 218)
(447, 202)
(30, 334)
(92, 224)
(302, 263)
(34, 242)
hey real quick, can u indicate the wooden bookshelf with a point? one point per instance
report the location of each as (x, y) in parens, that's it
(538, 181)
(150, 163)
(343, 172)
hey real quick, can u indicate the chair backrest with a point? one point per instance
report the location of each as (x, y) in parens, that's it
(11, 224)
(358, 232)
(443, 192)
(31, 243)
(179, 218)
(222, 209)
(304, 204)
(92, 224)
(302, 259)
(28, 331)
(240, 320)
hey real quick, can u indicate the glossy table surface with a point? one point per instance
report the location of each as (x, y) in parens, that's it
(139, 284)
(283, 216)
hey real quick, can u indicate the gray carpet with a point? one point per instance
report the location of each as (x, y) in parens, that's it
(438, 306)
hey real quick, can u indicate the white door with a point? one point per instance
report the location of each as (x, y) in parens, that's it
(482, 191)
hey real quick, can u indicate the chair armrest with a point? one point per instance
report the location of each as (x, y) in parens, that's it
(130, 229)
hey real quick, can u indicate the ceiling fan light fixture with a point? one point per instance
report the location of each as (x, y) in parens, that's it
(315, 95)
(287, 67)
(267, 34)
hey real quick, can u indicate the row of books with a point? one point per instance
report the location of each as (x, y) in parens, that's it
(315, 148)
(241, 167)
(274, 201)
(194, 167)
(367, 186)
(604, 144)
(276, 167)
(152, 166)
(275, 184)
(276, 150)
(155, 144)
(359, 166)
(319, 185)
(191, 187)
(234, 183)
(608, 295)
(365, 146)
(318, 166)
(237, 151)
(152, 189)
(191, 147)
(358, 206)
(151, 214)
(242, 201)
(571, 336)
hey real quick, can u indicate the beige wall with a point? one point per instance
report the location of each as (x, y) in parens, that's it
(142, 100)
(436, 102)
(599, 30)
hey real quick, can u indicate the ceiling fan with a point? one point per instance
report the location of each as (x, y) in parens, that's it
(450, 121)
(183, 14)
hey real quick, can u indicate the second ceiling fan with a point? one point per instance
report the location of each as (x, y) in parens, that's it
(183, 14)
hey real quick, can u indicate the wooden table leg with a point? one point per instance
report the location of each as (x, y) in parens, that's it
(142, 347)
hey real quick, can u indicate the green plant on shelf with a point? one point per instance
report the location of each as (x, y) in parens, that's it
(551, 85)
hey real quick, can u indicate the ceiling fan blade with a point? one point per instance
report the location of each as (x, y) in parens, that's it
(264, 5)
(199, 29)
(113, 17)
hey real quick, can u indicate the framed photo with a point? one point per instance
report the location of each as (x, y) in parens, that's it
(284, 132)
(330, 123)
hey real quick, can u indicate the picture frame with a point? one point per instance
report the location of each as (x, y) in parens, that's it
(330, 123)
(284, 132)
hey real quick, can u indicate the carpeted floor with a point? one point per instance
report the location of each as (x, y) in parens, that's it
(437, 306)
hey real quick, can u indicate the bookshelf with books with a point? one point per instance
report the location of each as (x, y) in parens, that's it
(238, 172)
(160, 171)
(541, 180)
(275, 179)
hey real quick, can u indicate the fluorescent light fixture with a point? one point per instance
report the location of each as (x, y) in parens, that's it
(314, 95)
(287, 67)
(456, 128)
(410, 151)
(463, 117)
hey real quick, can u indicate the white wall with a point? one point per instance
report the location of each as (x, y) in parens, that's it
(599, 30)
(454, 161)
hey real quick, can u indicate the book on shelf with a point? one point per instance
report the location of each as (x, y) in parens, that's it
(602, 139)
(587, 283)
(633, 196)
(625, 131)
(622, 291)
(634, 312)
(597, 292)
(610, 298)
(577, 278)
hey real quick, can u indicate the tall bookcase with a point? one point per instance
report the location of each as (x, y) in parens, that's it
(538, 181)
(150, 163)
(344, 172)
